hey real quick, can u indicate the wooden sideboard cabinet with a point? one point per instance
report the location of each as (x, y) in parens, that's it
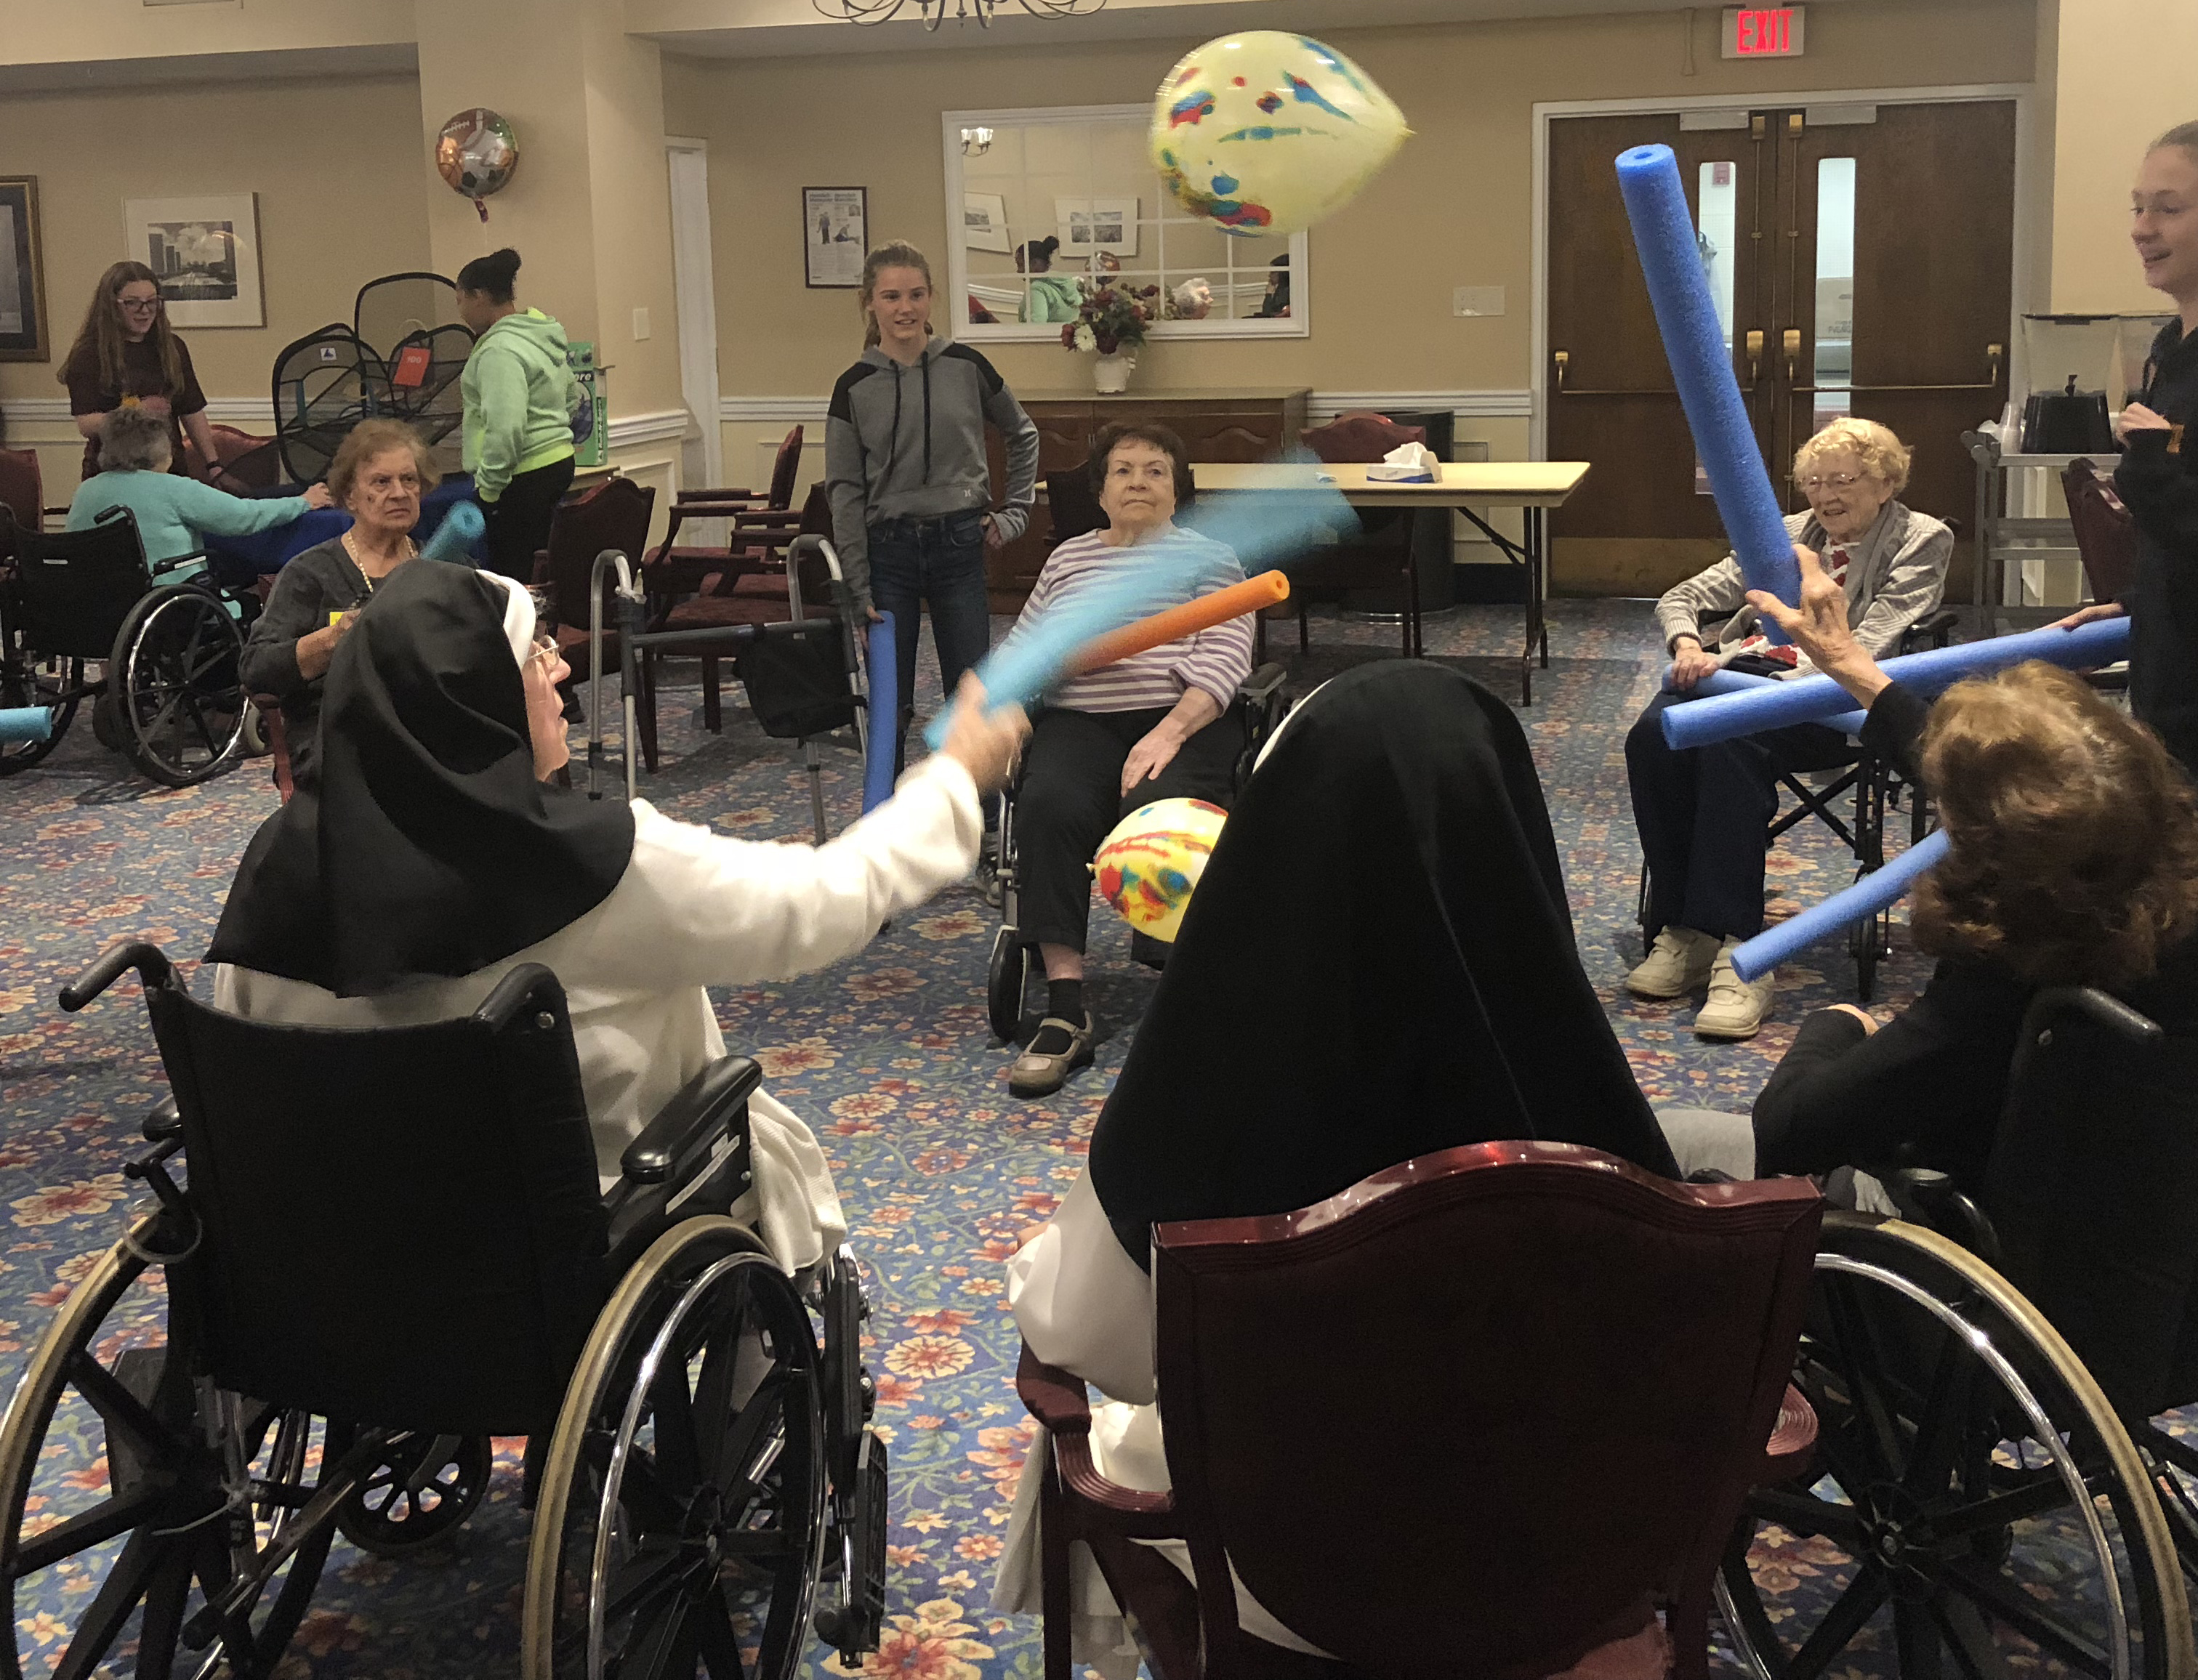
(1247, 424)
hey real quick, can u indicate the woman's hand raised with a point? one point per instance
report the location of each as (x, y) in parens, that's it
(985, 744)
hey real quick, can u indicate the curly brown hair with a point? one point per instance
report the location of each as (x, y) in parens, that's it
(369, 439)
(2073, 835)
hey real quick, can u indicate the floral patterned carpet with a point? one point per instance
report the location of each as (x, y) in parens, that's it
(888, 1057)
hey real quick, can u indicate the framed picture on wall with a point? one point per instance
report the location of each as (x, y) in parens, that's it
(205, 252)
(985, 222)
(23, 336)
(1088, 226)
(835, 235)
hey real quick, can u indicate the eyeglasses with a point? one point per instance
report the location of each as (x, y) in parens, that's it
(545, 649)
(139, 303)
(1817, 481)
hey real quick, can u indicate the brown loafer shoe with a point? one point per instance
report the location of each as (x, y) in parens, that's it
(1040, 1074)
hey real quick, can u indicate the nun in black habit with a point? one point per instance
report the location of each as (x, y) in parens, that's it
(433, 856)
(1378, 964)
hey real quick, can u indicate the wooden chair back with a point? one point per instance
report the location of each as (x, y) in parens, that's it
(1494, 1400)
(2106, 534)
(612, 514)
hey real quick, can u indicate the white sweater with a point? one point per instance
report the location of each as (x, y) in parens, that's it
(697, 909)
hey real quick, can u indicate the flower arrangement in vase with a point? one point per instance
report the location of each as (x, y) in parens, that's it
(1111, 319)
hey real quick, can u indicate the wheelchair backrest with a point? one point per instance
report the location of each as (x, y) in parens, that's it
(1526, 1367)
(401, 1226)
(73, 588)
(2093, 1194)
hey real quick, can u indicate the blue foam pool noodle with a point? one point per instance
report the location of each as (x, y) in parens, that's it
(461, 527)
(1701, 367)
(1813, 699)
(1756, 957)
(22, 725)
(885, 716)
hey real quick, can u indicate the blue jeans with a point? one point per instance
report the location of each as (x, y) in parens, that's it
(940, 562)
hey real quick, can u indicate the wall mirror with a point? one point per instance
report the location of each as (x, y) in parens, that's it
(1075, 181)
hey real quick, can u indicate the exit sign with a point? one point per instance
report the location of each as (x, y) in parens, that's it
(1763, 31)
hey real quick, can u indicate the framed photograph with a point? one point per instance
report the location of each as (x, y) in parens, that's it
(23, 335)
(985, 222)
(1088, 226)
(205, 252)
(835, 235)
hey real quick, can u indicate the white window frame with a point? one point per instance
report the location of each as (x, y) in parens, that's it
(952, 318)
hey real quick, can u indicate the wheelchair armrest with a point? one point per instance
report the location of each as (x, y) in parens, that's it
(161, 1121)
(1931, 1199)
(1260, 688)
(688, 1124)
(2107, 1011)
(150, 962)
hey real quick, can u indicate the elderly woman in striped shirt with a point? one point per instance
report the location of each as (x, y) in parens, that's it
(1156, 726)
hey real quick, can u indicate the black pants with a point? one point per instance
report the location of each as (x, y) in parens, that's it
(519, 519)
(1704, 816)
(1071, 797)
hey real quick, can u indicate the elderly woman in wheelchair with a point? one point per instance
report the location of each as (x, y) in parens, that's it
(1159, 725)
(1987, 1364)
(467, 1158)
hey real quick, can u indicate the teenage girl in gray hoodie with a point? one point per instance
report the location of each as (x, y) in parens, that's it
(905, 467)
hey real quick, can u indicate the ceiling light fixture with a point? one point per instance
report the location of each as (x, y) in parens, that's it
(934, 13)
(976, 141)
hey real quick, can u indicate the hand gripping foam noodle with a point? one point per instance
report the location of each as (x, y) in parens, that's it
(1266, 132)
(1150, 864)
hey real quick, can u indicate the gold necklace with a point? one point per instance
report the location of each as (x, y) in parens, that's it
(350, 548)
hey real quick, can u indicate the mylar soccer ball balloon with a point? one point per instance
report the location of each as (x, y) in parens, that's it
(1148, 865)
(476, 152)
(1266, 133)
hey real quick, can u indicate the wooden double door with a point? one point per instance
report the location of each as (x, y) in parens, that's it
(1862, 258)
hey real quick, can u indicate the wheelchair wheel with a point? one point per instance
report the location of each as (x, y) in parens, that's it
(1005, 977)
(419, 1492)
(680, 1526)
(177, 686)
(1977, 1508)
(54, 684)
(116, 1521)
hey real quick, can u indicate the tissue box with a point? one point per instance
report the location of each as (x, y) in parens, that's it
(1408, 463)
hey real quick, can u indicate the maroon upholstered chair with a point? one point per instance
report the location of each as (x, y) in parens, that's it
(1381, 554)
(612, 515)
(2105, 535)
(247, 460)
(760, 529)
(1475, 1415)
(22, 492)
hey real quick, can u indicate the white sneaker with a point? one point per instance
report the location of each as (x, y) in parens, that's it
(1736, 1006)
(1677, 964)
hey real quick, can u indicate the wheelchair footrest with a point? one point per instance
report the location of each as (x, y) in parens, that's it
(855, 1626)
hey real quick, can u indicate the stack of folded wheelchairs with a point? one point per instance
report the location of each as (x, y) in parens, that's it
(167, 636)
(392, 1246)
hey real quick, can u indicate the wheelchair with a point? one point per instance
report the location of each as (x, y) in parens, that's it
(1260, 706)
(172, 699)
(392, 1248)
(1877, 788)
(1987, 1372)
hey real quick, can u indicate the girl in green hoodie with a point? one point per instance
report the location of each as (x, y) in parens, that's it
(520, 397)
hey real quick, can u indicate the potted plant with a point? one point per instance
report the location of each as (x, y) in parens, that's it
(1111, 320)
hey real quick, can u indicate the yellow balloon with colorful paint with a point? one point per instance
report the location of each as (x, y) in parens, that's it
(1150, 864)
(1266, 132)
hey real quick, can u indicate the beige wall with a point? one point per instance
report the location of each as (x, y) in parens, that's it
(2111, 100)
(334, 212)
(1454, 209)
(61, 31)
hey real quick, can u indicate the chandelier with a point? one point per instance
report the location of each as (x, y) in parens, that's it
(934, 12)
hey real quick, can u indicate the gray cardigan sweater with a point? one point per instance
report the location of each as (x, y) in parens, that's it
(1896, 573)
(910, 442)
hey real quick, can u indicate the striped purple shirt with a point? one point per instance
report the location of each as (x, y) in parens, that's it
(1217, 660)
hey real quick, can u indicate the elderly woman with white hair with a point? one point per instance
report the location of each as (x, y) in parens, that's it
(175, 514)
(1704, 814)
